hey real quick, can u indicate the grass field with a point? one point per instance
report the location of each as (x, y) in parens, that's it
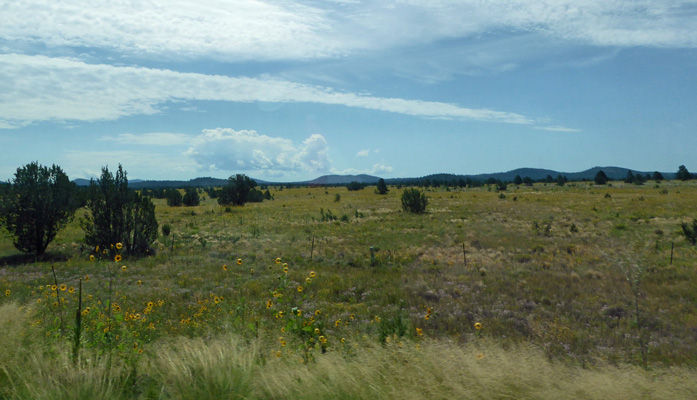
(587, 291)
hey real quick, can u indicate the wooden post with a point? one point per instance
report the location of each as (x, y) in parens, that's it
(78, 324)
(672, 244)
(172, 249)
(464, 254)
(312, 249)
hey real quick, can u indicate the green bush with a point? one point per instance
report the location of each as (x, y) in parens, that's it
(690, 232)
(174, 198)
(191, 197)
(414, 201)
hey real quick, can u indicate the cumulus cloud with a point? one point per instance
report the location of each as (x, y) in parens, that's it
(74, 90)
(246, 150)
(363, 153)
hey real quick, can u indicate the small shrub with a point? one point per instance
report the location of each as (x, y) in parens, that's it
(166, 229)
(414, 201)
(690, 232)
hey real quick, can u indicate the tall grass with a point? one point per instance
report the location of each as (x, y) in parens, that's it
(229, 367)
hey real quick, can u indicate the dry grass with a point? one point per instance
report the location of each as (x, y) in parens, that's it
(229, 367)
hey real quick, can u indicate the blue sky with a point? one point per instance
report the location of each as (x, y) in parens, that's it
(288, 91)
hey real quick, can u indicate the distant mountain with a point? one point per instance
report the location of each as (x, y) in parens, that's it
(343, 179)
(196, 182)
(614, 173)
(86, 182)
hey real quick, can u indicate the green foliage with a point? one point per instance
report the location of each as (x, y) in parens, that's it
(382, 187)
(39, 202)
(600, 178)
(174, 198)
(683, 174)
(237, 191)
(255, 196)
(414, 201)
(327, 216)
(355, 186)
(118, 215)
(191, 197)
(690, 232)
(166, 229)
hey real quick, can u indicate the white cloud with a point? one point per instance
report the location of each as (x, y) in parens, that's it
(375, 170)
(597, 22)
(234, 30)
(230, 150)
(558, 129)
(39, 88)
(150, 139)
(242, 30)
(363, 153)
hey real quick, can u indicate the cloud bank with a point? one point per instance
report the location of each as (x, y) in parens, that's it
(241, 30)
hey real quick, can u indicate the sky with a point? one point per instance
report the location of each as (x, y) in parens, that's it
(287, 91)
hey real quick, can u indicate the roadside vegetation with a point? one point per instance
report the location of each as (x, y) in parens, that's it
(499, 291)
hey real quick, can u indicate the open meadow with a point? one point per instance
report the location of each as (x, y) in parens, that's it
(580, 291)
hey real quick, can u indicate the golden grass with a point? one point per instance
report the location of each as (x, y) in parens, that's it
(229, 367)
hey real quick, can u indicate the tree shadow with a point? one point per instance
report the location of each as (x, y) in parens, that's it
(21, 259)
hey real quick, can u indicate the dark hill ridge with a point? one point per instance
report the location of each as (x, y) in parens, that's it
(343, 179)
(614, 173)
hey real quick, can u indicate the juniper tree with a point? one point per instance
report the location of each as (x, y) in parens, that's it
(38, 203)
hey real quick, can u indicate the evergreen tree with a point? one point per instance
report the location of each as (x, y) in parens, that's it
(600, 178)
(237, 190)
(683, 174)
(657, 176)
(39, 202)
(118, 215)
(382, 187)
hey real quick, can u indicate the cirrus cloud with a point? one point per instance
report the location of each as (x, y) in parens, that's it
(74, 90)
